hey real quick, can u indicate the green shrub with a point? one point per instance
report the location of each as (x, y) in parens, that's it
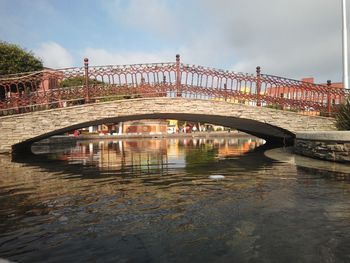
(78, 81)
(274, 106)
(343, 116)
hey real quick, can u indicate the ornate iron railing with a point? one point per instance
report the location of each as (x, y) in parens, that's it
(47, 89)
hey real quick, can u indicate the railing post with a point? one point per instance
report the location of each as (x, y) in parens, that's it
(142, 86)
(258, 86)
(225, 92)
(178, 76)
(86, 80)
(329, 83)
(164, 87)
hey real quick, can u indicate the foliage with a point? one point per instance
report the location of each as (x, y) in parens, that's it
(119, 97)
(201, 156)
(342, 117)
(78, 81)
(14, 59)
(274, 106)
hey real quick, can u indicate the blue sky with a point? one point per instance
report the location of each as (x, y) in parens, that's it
(290, 38)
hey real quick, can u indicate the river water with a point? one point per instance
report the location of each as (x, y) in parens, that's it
(175, 200)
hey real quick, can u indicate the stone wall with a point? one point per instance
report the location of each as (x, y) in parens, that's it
(260, 121)
(331, 146)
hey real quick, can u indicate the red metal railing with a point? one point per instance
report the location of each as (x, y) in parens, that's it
(47, 89)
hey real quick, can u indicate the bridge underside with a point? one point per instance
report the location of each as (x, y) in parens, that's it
(265, 131)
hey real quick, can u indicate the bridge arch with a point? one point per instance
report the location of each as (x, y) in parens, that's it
(269, 124)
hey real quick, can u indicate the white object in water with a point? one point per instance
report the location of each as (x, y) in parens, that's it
(216, 177)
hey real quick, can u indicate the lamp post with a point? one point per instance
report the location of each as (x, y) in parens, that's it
(345, 48)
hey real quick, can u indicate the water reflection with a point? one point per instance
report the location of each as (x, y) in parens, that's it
(152, 154)
(153, 201)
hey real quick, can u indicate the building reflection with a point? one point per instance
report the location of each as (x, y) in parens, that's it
(154, 153)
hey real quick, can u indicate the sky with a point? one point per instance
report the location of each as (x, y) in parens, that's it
(294, 39)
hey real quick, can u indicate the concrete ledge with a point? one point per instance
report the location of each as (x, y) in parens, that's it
(331, 146)
(338, 136)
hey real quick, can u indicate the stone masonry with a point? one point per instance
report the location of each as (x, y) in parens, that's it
(331, 146)
(29, 127)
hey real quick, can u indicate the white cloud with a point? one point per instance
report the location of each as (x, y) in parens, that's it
(152, 15)
(289, 38)
(100, 57)
(196, 54)
(54, 55)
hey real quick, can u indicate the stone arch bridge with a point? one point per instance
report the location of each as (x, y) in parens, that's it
(36, 105)
(18, 132)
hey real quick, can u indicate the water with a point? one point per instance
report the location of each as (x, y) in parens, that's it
(157, 201)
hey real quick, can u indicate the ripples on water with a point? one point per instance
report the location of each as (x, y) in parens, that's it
(154, 201)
